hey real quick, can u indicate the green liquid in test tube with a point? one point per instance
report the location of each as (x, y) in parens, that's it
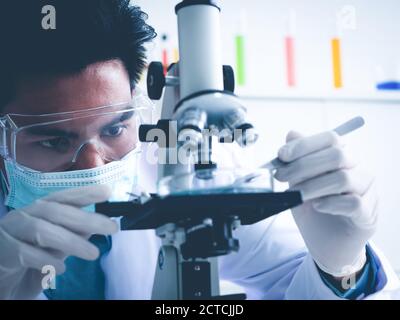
(240, 60)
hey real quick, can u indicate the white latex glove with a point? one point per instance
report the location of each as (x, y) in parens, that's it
(46, 233)
(339, 213)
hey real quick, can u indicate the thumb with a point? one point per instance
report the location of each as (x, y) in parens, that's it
(285, 151)
(293, 135)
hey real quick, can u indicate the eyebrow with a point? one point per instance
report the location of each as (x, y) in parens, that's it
(51, 132)
(125, 116)
(56, 132)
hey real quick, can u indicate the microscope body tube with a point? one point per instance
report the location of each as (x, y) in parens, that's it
(200, 64)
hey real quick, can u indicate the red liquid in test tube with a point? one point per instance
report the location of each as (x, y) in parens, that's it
(290, 61)
(164, 58)
(290, 50)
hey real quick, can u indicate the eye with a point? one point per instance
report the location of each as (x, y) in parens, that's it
(114, 131)
(58, 144)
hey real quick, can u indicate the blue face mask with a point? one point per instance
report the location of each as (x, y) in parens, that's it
(25, 186)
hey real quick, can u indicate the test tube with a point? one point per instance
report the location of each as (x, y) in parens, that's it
(337, 54)
(164, 58)
(176, 55)
(240, 45)
(337, 63)
(290, 50)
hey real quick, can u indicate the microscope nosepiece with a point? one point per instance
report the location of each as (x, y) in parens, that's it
(243, 132)
(245, 135)
(191, 125)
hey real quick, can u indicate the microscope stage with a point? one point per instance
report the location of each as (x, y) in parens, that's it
(180, 209)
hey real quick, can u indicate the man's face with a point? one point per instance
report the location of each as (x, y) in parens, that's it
(100, 84)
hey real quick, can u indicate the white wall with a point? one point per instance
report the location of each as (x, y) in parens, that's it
(314, 105)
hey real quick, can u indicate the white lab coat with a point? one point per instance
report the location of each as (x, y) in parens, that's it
(272, 263)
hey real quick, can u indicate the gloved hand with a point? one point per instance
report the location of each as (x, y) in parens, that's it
(339, 213)
(46, 233)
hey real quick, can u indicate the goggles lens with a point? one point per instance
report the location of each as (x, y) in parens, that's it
(54, 142)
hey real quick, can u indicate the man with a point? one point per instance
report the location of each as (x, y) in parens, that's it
(69, 103)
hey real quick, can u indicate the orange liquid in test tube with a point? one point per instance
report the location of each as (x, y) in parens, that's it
(337, 63)
(176, 55)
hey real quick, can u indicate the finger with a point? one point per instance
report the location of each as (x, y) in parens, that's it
(35, 258)
(81, 197)
(46, 235)
(361, 209)
(293, 135)
(20, 254)
(74, 219)
(300, 147)
(313, 165)
(334, 183)
(57, 254)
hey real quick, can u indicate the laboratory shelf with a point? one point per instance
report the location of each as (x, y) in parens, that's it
(370, 98)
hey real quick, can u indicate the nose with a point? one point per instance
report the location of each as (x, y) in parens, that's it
(88, 158)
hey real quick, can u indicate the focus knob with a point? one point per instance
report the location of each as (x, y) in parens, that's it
(229, 79)
(155, 80)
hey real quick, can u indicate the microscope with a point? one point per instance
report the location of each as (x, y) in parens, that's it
(195, 220)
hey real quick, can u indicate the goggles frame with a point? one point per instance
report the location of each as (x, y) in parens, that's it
(9, 129)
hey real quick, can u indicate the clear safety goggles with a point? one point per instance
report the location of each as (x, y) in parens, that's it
(53, 142)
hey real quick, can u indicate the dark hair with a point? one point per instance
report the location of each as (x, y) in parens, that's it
(87, 31)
